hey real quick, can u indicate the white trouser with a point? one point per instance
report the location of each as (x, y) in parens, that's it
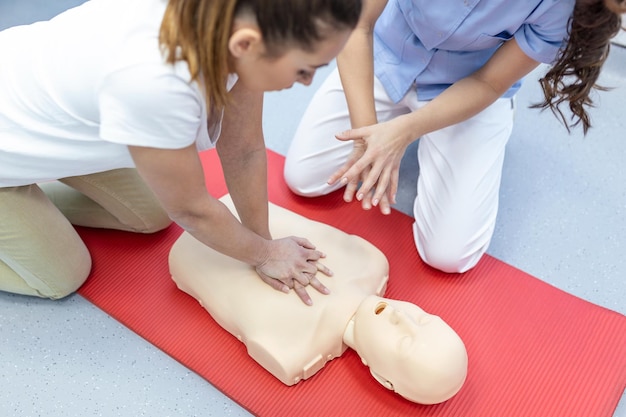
(459, 170)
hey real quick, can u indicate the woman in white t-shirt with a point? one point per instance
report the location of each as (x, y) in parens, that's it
(114, 99)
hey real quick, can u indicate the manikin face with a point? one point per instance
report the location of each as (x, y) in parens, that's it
(258, 72)
(409, 351)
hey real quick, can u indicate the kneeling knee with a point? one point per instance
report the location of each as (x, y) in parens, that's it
(68, 281)
(155, 222)
(56, 284)
(295, 181)
(449, 262)
(448, 257)
(303, 185)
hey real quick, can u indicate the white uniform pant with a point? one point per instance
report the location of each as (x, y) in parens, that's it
(460, 168)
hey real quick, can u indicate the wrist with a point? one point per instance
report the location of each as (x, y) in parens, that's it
(410, 126)
(263, 255)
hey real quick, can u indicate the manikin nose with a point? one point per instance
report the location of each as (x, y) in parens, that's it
(398, 317)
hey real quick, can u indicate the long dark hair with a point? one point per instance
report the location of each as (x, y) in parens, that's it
(592, 25)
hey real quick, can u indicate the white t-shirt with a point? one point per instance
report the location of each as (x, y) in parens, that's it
(76, 90)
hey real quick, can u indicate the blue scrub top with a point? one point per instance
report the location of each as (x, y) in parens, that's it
(434, 43)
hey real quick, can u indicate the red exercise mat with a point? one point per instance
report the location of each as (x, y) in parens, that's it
(533, 349)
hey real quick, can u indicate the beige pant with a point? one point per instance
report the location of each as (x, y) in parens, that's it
(40, 252)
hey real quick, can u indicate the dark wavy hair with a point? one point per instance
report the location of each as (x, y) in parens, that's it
(197, 31)
(575, 73)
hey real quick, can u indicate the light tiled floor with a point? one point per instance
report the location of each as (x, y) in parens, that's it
(562, 218)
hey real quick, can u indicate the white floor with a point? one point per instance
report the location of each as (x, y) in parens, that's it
(562, 219)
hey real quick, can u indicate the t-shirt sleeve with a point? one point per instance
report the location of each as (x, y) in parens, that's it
(546, 30)
(147, 105)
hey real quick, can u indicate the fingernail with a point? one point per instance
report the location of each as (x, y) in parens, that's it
(375, 202)
(359, 197)
(344, 181)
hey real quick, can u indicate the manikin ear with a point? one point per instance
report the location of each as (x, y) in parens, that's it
(244, 41)
(384, 382)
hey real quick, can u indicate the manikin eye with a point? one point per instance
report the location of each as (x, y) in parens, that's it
(404, 345)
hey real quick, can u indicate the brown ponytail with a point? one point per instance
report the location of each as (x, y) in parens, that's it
(197, 31)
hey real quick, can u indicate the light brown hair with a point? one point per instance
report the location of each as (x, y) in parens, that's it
(198, 31)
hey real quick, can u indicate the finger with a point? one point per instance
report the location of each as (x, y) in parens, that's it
(324, 269)
(316, 283)
(381, 187)
(358, 163)
(366, 201)
(354, 156)
(274, 283)
(304, 296)
(351, 134)
(313, 256)
(360, 172)
(305, 276)
(369, 182)
(385, 206)
(339, 174)
(305, 243)
(348, 193)
(393, 188)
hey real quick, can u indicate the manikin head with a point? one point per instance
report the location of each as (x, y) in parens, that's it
(409, 351)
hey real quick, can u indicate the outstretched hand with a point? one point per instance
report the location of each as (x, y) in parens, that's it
(374, 163)
(293, 262)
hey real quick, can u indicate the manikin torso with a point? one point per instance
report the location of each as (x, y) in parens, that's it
(288, 338)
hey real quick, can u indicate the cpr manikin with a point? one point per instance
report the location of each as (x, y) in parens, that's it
(407, 350)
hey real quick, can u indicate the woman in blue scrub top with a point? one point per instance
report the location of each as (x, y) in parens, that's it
(444, 72)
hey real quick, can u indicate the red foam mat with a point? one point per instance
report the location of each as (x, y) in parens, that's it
(533, 349)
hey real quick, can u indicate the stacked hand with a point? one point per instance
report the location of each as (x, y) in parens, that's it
(292, 263)
(375, 163)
